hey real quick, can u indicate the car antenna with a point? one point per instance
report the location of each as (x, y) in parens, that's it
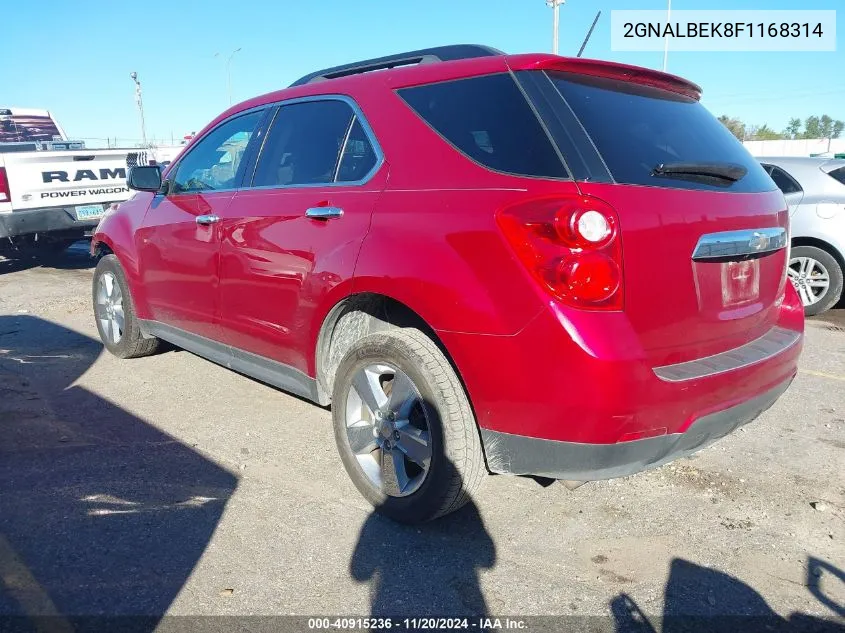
(589, 33)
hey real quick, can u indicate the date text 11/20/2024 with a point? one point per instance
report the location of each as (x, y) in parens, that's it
(417, 624)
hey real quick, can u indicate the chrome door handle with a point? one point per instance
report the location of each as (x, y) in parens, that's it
(207, 219)
(324, 213)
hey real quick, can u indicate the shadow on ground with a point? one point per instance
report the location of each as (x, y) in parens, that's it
(404, 565)
(100, 512)
(701, 599)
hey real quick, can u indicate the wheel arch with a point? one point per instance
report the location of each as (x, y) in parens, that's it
(830, 249)
(356, 316)
(100, 247)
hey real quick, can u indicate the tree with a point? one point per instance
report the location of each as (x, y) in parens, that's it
(837, 129)
(736, 127)
(812, 127)
(793, 130)
(765, 133)
(825, 126)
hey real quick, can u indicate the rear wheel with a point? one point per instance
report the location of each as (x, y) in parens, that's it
(817, 278)
(404, 427)
(114, 312)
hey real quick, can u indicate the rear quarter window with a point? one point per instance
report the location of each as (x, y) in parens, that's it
(490, 121)
(636, 127)
(838, 174)
(786, 183)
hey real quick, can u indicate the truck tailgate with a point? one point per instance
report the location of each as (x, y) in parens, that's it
(66, 178)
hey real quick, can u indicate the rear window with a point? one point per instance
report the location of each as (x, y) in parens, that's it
(489, 120)
(23, 128)
(838, 174)
(636, 127)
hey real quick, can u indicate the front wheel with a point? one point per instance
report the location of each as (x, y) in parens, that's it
(404, 427)
(817, 278)
(114, 312)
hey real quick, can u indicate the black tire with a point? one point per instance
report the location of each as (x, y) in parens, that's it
(457, 463)
(131, 344)
(834, 269)
(38, 251)
(59, 246)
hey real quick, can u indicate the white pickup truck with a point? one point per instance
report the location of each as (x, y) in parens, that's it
(53, 191)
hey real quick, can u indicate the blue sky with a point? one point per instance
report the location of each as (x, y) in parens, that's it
(74, 58)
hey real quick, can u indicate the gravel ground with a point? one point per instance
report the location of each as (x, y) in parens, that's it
(171, 485)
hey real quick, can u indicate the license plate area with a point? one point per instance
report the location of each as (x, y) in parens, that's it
(740, 282)
(89, 212)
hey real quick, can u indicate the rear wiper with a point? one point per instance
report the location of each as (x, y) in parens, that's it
(703, 171)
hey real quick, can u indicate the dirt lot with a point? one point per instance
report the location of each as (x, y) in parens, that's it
(171, 485)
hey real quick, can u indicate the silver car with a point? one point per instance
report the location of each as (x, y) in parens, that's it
(814, 189)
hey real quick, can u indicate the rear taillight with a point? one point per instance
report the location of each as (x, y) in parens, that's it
(5, 194)
(571, 246)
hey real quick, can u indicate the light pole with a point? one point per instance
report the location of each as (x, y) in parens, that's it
(229, 73)
(140, 103)
(555, 6)
(666, 38)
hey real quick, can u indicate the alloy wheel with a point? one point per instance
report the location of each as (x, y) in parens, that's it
(388, 429)
(109, 307)
(810, 278)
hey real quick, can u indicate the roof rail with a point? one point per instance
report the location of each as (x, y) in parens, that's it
(422, 56)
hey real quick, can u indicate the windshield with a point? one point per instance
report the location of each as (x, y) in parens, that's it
(22, 128)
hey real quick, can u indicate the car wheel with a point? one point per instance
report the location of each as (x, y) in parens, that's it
(817, 278)
(404, 427)
(115, 313)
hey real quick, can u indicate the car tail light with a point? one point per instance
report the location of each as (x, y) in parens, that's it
(5, 194)
(571, 246)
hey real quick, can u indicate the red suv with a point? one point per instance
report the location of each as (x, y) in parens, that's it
(522, 264)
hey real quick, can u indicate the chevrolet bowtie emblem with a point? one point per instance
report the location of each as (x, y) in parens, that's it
(758, 242)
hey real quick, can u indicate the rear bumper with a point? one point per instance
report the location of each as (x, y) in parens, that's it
(44, 220)
(574, 395)
(520, 455)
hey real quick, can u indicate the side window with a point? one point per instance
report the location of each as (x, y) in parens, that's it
(784, 181)
(358, 157)
(838, 174)
(213, 163)
(489, 120)
(303, 144)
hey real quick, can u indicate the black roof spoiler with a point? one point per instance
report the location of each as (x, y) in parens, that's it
(422, 56)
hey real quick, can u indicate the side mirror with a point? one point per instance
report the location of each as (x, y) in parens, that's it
(144, 178)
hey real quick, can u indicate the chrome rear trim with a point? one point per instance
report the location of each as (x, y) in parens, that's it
(771, 344)
(739, 243)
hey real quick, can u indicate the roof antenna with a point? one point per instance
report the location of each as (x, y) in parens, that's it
(589, 33)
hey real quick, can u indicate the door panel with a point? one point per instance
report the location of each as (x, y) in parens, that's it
(179, 260)
(277, 265)
(179, 239)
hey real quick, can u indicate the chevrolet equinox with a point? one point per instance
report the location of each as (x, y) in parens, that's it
(522, 264)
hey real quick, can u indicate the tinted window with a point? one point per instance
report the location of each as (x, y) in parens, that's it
(21, 127)
(358, 156)
(303, 144)
(489, 120)
(215, 161)
(636, 127)
(838, 174)
(784, 181)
